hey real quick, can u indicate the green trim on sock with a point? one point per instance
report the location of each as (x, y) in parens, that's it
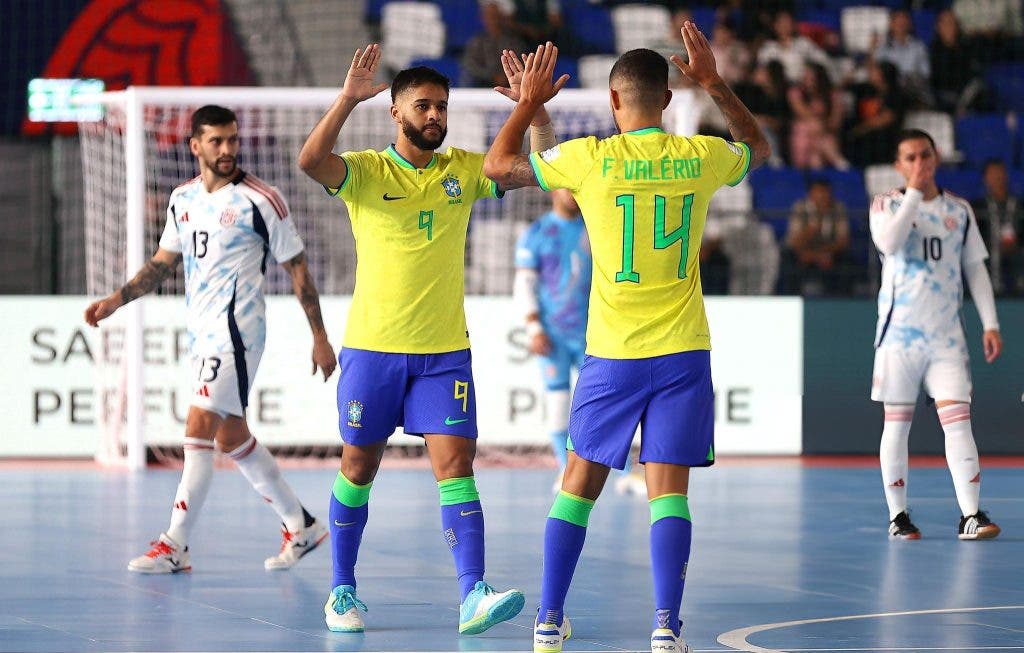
(458, 490)
(669, 505)
(571, 508)
(349, 494)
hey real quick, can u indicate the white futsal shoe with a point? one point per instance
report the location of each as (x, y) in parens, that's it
(166, 557)
(341, 611)
(548, 638)
(663, 640)
(294, 545)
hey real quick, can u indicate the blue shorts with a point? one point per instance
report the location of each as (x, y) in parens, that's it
(670, 397)
(422, 393)
(556, 367)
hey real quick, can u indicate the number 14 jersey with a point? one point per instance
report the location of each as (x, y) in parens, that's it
(644, 198)
(922, 282)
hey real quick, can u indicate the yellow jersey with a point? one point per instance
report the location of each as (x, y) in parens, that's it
(644, 197)
(410, 227)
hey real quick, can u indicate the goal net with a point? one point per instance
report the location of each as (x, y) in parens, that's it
(138, 153)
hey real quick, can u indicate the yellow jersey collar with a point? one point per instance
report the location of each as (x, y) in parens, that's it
(405, 163)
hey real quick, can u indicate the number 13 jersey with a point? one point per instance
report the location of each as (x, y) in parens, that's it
(922, 287)
(644, 198)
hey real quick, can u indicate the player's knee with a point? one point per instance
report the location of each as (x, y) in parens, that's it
(359, 464)
(202, 423)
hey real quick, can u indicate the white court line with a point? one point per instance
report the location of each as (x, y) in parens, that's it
(737, 639)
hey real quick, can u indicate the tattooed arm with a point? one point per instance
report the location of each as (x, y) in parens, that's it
(305, 290)
(701, 68)
(152, 274)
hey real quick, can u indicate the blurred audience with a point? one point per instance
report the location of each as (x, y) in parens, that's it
(732, 56)
(481, 60)
(791, 49)
(904, 50)
(816, 257)
(767, 100)
(880, 106)
(818, 113)
(1001, 221)
(535, 21)
(996, 23)
(956, 68)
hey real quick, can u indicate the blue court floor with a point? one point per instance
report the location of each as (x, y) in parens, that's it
(785, 558)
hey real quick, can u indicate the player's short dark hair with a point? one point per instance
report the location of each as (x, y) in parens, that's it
(994, 161)
(643, 73)
(418, 76)
(211, 114)
(819, 181)
(912, 135)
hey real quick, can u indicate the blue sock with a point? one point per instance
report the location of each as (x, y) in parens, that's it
(462, 519)
(564, 534)
(558, 440)
(671, 532)
(349, 512)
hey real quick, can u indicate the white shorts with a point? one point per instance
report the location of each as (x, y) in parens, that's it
(899, 373)
(221, 383)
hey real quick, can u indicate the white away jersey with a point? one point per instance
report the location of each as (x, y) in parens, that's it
(224, 238)
(922, 283)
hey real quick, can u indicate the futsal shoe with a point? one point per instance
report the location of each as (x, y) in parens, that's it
(663, 640)
(901, 528)
(977, 527)
(341, 611)
(166, 557)
(548, 638)
(485, 607)
(295, 545)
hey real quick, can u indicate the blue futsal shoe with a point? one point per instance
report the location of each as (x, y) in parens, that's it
(342, 610)
(485, 607)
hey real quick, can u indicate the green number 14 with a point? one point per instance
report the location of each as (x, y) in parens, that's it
(661, 239)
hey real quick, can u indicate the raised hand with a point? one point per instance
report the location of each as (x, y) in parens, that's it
(513, 66)
(359, 84)
(536, 86)
(701, 68)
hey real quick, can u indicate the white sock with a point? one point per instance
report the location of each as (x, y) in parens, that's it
(192, 490)
(893, 455)
(962, 455)
(260, 468)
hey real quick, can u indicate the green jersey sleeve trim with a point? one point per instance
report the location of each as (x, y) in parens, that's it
(746, 167)
(496, 192)
(537, 172)
(333, 192)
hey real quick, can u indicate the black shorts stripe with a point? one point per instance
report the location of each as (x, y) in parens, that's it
(241, 371)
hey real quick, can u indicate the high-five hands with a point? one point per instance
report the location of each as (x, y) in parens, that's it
(701, 68)
(536, 86)
(359, 84)
(513, 66)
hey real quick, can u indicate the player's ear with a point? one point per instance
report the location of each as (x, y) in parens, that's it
(193, 145)
(668, 98)
(394, 114)
(615, 100)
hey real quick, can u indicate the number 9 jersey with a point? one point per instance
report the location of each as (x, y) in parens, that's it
(922, 286)
(644, 198)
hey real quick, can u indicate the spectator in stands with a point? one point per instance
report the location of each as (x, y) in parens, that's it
(714, 264)
(880, 108)
(793, 50)
(904, 50)
(818, 112)
(481, 61)
(671, 43)
(1001, 221)
(996, 23)
(956, 68)
(534, 21)
(732, 56)
(816, 257)
(767, 100)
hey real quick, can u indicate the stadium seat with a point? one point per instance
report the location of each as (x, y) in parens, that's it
(924, 24)
(983, 137)
(822, 17)
(965, 182)
(411, 30)
(447, 66)
(940, 126)
(462, 21)
(847, 186)
(372, 11)
(1017, 182)
(776, 189)
(1007, 81)
(594, 70)
(859, 25)
(639, 26)
(590, 25)
(881, 178)
(704, 17)
(568, 65)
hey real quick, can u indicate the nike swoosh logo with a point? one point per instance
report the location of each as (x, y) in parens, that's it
(389, 198)
(343, 525)
(467, 513)
(448, 421)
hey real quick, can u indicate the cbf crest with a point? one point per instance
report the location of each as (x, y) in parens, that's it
(355, 414)
(451, 186)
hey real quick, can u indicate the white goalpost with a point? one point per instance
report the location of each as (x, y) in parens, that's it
(138, 153)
